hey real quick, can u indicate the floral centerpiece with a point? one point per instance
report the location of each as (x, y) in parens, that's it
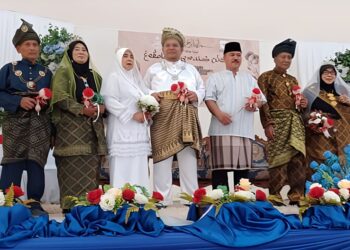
(319, 123)
(112, 199)
(342, 63)
(217, 197)
(53, 45)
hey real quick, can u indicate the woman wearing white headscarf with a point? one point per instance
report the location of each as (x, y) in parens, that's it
(327, 92)
(127, 136)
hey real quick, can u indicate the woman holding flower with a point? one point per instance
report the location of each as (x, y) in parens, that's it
(80, 139)
(328, 95)
(127, 134)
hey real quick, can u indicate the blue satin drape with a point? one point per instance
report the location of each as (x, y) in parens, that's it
(238, 224)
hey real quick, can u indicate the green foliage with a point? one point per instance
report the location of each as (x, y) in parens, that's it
(342, 63)
(53, 46)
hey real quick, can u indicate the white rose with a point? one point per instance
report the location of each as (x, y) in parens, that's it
(140, 199)
(246, 195)
(216, 194)
(315, 185)
(344, 183)
(107, 202)
(149, 100)
(2, 199)
(52, 66)
(116, 192)
(330, 196)
(344, 192)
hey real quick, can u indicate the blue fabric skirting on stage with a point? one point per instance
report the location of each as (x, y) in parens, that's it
(238, 224)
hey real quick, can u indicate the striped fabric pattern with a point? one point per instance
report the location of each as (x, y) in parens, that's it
(231, 152)
(175, 127)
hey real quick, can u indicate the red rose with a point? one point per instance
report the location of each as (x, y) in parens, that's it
(181, 85)
(88, 93)
(128, 194)
(157, 196)
(45, 93)
(316, 192)
(1, 139)
(174, 87)
(330, 121)
(94, 196)
(256, 91)
(335, 190)
(295, 87)
(260, 195)
(196, 200)
(200, 192)
(18, 192)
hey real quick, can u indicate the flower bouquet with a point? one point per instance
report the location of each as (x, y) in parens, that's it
(320, 123)
(41, 99)
(112, 199)
(296, 91)
(92, 99)
(218, 197)
(149, 106)
(180, 90)
(255, 100)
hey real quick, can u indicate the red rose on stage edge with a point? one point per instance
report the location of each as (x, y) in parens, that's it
(260, 195)
(157, 196)
(316, 192)
(198, 195)
(94, 196)
(128, 194)
(18, 192)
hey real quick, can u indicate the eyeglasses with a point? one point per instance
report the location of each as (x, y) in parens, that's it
(328, 73)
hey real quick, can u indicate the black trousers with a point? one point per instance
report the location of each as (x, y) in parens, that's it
(219, 177)
(12, 173)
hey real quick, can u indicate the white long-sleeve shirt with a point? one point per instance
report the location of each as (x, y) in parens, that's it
(160, 76)
(230, 94)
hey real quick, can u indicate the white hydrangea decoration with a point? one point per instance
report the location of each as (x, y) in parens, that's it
(246, 195)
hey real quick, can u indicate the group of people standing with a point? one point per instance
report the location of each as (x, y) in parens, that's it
(76, 131)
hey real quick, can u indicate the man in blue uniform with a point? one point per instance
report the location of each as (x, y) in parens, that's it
(26, 133)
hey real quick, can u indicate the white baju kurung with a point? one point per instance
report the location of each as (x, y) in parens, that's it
(159, 77)
(127, 139)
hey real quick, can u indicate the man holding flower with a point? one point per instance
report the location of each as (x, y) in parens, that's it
(281, 119)
(175, 128)
(26, 128)
(232, 96)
